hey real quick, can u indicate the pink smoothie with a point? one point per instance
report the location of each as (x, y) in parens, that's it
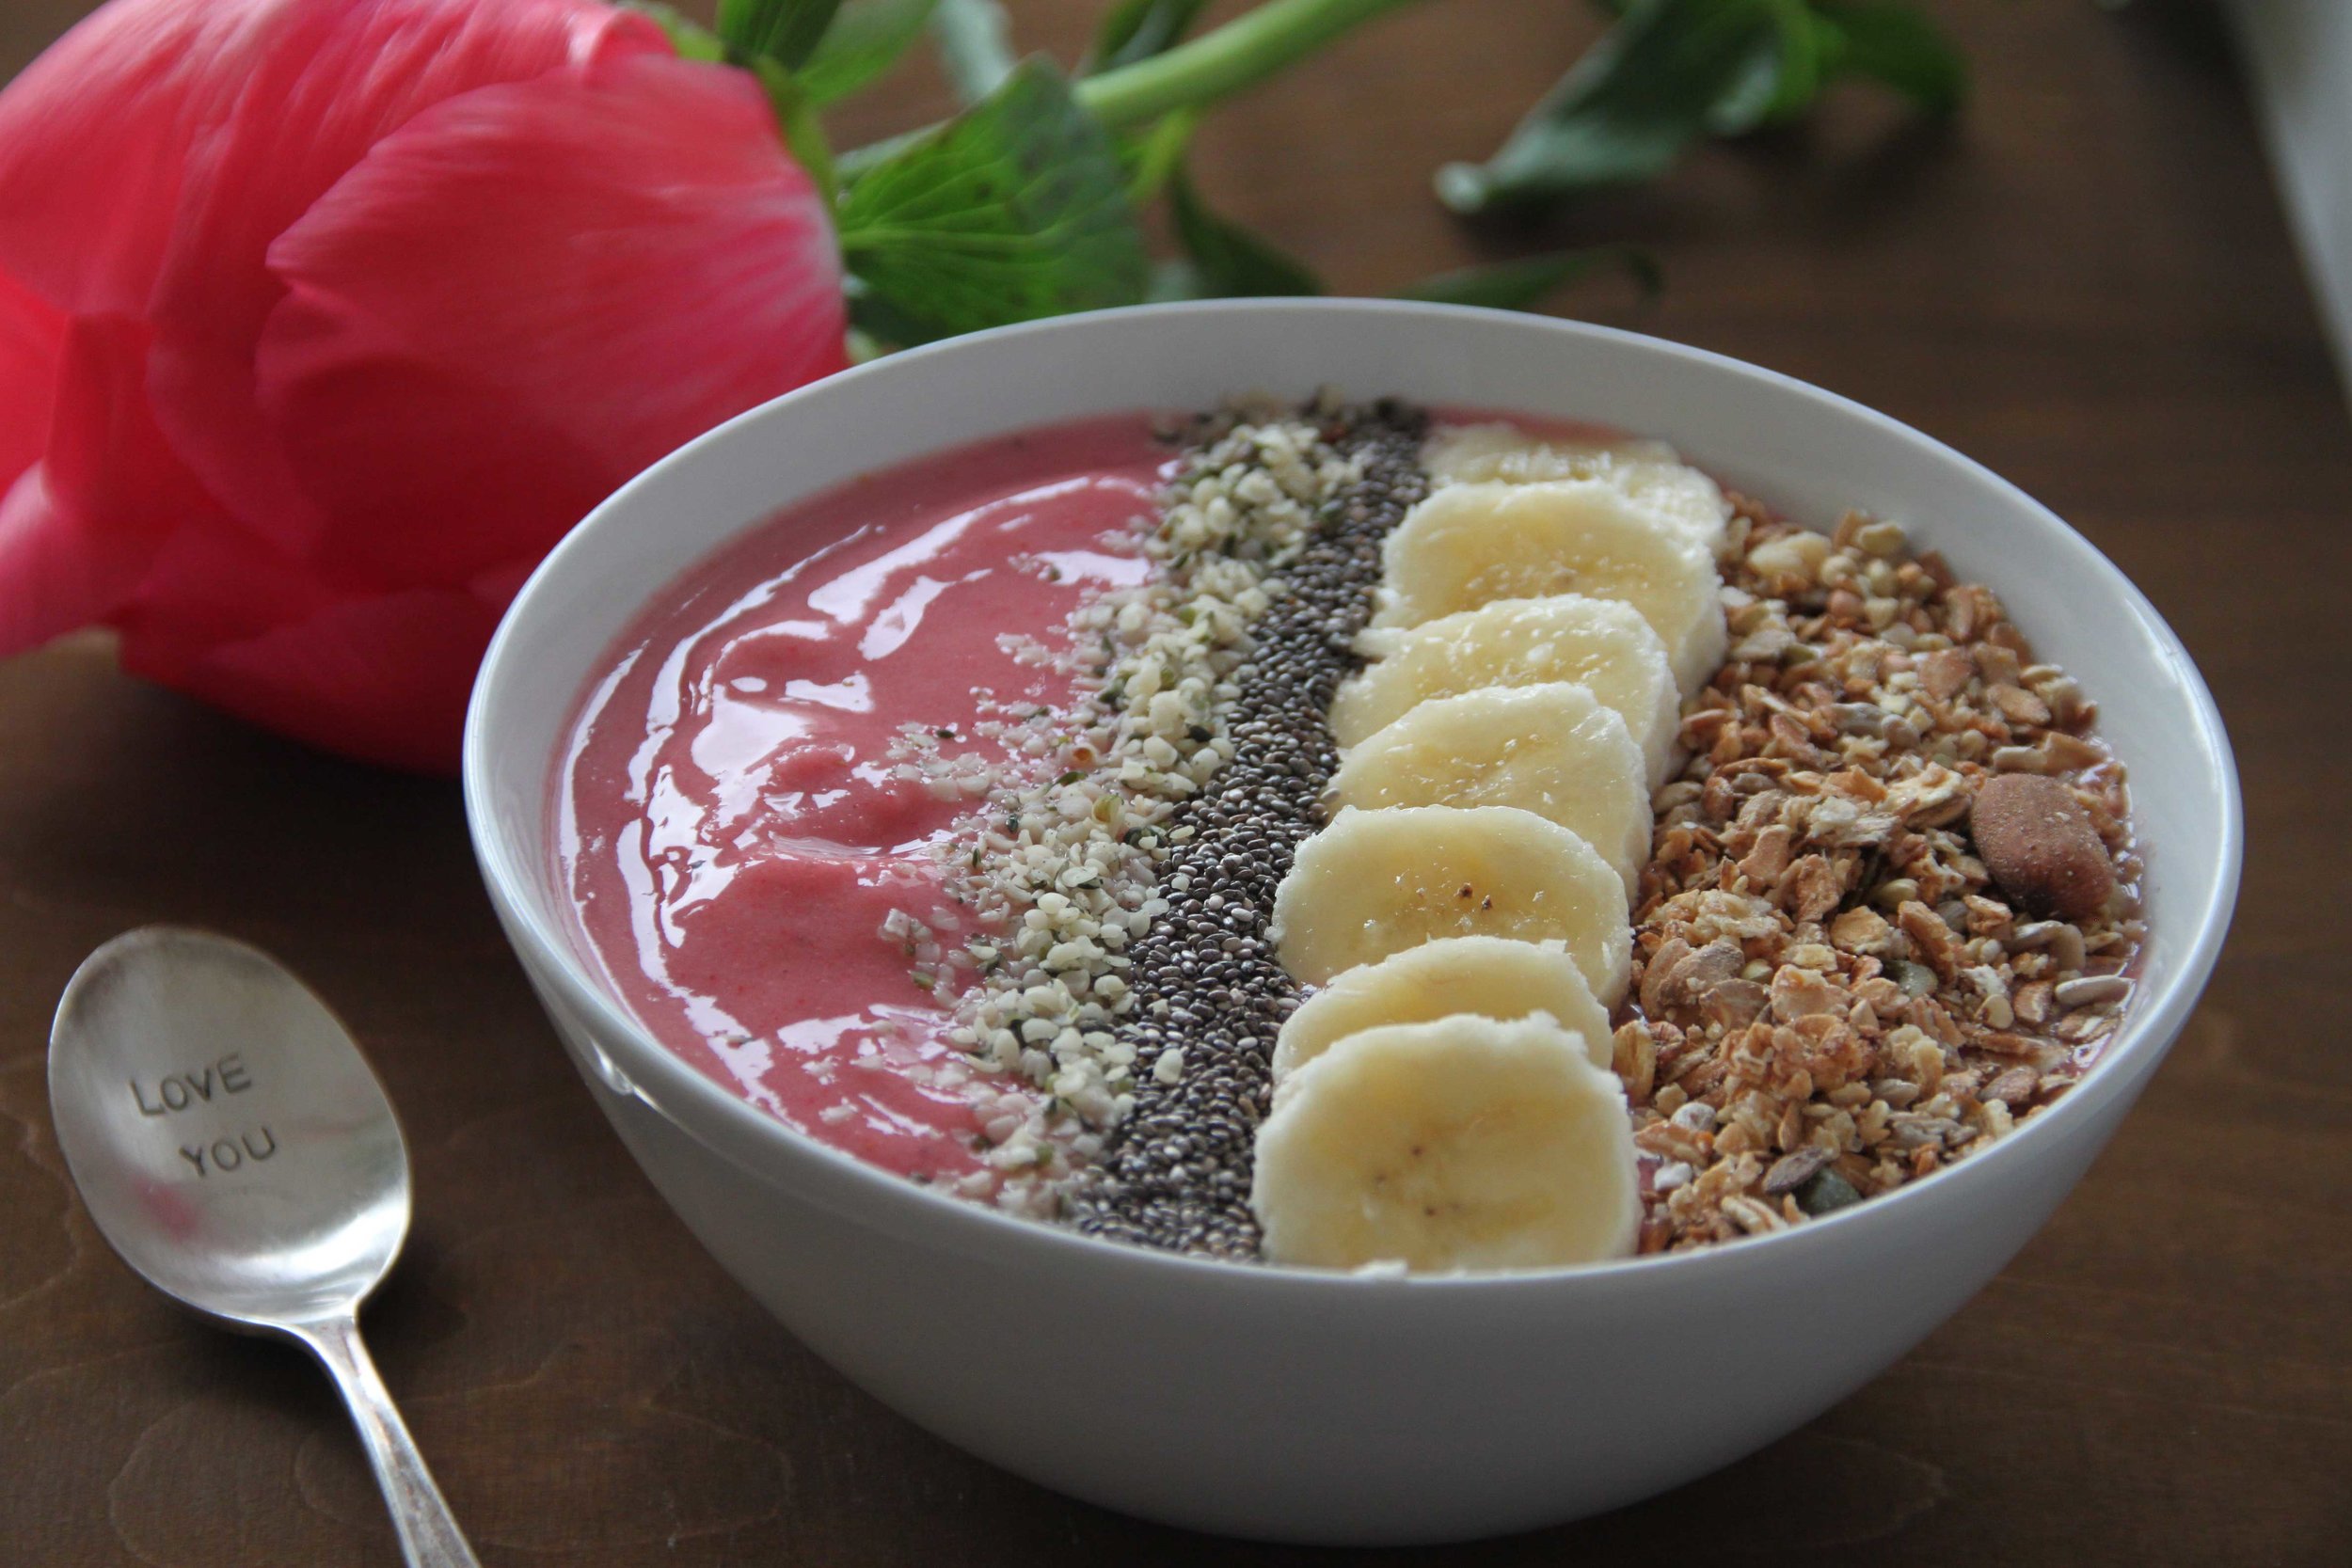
(733, 826)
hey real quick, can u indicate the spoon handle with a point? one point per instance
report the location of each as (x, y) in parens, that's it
(429, 1536)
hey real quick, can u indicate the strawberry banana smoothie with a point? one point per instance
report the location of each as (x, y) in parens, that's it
(1337, 836)
(754, 791)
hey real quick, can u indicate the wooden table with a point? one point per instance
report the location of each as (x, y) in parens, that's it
(2087, 286)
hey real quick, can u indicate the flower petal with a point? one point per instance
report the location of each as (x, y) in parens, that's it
(215, 581)
(336, 76)
(382, 680)
(531, 293)
(80, 528)
(430, 473)
(32, 340)
(94, 135)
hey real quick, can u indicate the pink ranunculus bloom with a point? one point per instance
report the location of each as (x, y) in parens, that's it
(321, 320)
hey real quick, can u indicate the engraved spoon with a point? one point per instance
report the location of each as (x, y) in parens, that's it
(237, 1151)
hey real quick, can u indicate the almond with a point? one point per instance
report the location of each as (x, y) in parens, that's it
(1945, 673)
(2040, 846)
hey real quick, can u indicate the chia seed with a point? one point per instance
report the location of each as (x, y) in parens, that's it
(1175, 1172)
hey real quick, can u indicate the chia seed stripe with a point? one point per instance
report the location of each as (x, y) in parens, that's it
(1175, 1172)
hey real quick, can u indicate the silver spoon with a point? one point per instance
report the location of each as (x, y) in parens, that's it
(237, 1151)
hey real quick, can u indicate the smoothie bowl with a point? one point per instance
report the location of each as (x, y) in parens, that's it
(1372, 965)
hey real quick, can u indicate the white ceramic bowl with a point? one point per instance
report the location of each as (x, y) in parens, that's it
(1290, 1404)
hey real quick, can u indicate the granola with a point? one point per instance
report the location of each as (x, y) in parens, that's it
(1833, 994)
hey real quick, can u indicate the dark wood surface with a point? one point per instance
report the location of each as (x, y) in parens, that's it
(2087, 285)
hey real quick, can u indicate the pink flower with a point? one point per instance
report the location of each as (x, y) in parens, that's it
(321, 320)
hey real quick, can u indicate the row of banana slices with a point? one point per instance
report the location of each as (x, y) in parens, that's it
(1444, 1101)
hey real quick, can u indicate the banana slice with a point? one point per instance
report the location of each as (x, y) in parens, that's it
(1651, 473)
(1491, 977)
(1469, 544)
(1460, 1144)
(1600, 643)
(1375, 883)
(1553, 750)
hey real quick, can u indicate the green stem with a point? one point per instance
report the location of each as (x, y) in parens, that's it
(1242, 52)
(975, 46)
(1239, 54)
(1160, 154)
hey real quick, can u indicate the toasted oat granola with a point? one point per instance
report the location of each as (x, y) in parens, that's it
(1833, 995)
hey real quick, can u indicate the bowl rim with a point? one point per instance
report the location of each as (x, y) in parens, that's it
(716, 1118)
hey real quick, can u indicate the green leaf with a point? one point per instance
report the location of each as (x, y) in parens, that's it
(1225, 260)
(864, 41)
(691, 38)
(1137, 30)
(1522, 284)
(974, 42)
(1754, 88)
(796, 115)
(875, 325)
(1784, 75)
(1626, 110)
(1896, 46)
(1013, 210)
(784, 31)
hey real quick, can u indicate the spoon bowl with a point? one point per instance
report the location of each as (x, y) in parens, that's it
(227, 1135)
(236, 1150)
